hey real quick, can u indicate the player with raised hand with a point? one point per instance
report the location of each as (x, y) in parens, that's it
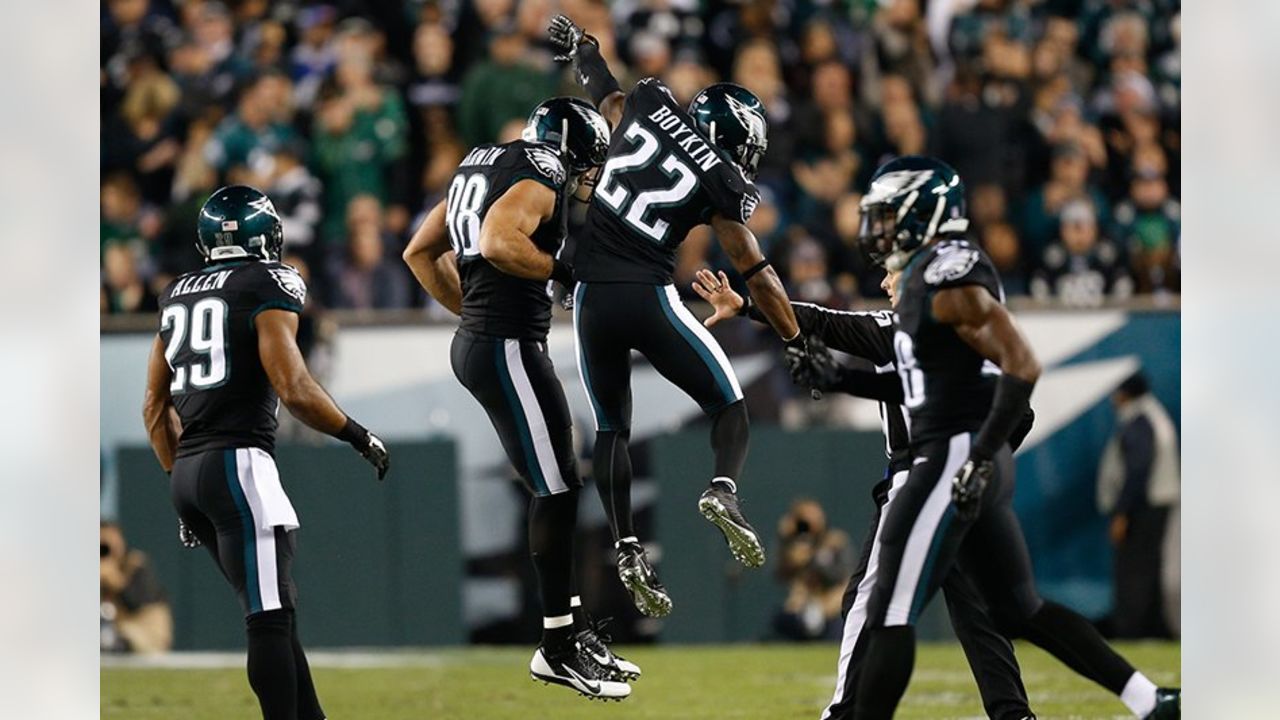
(669, 169)
(953, 335)
(868, 336)
(486, 252)
(226, 351)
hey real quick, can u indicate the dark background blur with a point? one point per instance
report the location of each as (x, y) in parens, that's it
(1062, 116)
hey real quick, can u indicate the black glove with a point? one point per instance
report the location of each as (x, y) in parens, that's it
(186, 537)
(566, 36)
(562, 273)
(969, 484)
(810, 364)
(369, 446)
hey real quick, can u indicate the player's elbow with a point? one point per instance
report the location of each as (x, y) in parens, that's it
(494, 245)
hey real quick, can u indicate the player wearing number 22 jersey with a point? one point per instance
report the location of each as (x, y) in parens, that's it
(669, 169)
(224, 359)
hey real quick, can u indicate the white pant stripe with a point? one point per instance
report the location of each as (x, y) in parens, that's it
(857, 617)
(922, 532)
(704, 335)
(251, 471)
(543, 450)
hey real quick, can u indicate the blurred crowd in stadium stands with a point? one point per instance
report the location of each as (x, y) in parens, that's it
(1061, 115)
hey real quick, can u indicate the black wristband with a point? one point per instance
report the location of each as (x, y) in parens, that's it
(593, 73)
(747, 307)
(353, 433)
(562, 273)
(754, 269)
(1008, 408)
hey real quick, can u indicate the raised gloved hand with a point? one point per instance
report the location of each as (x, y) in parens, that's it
(566, 36)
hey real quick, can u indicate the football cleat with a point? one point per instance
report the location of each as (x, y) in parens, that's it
(577, 671)
(641, 581)
(1168, 704)
(595, 642)
(721, 508)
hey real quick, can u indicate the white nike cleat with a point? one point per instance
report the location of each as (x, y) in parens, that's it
(577, 671)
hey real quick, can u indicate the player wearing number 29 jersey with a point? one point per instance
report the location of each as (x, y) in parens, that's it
(225, 356)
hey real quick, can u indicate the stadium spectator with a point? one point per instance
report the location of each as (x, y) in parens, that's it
(296, 194)
(369, 277)
(259, 126)
(1148, 225)
(815, 564)
(1035, 104)
(502, 88)
(135, 615)
(123, 289)
(360, 142)
(1080, 269)
(1139, 486)
(1068, 180)
(1001, 243)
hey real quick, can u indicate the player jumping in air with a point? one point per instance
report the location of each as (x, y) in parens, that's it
(227, 349)
(486, 252)
(668, 170)
(953, 334)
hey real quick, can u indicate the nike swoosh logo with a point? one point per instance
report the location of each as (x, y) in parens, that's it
(919, 460)
(591, 687)
(602, 659)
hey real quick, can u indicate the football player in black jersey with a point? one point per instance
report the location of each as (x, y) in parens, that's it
(669, 169)
(225, 357)
(954, 334)
(486, 252)
(868, 336)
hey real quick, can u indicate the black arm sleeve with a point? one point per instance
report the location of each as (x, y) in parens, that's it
(867, 335)
(885, 387)
(593, 73)
(1013, 397)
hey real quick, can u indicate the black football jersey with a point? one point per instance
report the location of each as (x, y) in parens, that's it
(494, 303)
(662, 178)
(218, 385)
(946, 384)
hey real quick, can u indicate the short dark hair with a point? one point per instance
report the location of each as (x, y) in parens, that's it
(1135, 385)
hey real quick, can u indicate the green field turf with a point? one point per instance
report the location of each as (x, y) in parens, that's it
(776, 682)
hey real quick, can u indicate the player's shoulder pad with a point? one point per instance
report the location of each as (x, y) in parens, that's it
(286, 280)
(957, 262)
(545, 161)
(740, 196)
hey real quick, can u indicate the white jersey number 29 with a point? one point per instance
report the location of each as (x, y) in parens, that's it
(614, 195)
(207, 323)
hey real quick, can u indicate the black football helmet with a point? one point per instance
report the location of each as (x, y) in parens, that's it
(912, 200)
(574, 128)
(733, 118)
(238, 221)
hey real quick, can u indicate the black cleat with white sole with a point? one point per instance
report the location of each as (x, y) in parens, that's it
(641, 581)
(720, 506)
(1168, 704)
(577, 671)
(595, 642)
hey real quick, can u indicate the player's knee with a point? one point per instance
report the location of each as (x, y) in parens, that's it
(1012, 614)
(269, 623)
